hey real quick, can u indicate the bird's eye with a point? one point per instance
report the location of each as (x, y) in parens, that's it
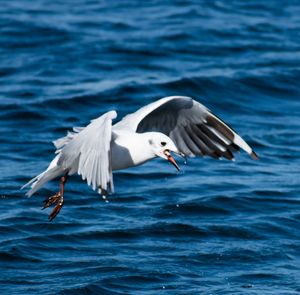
(163, 143)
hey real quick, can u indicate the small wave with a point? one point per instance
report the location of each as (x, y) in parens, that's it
(15, 255)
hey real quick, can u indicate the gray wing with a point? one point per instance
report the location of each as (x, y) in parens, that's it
(87, 151)
(194, 128)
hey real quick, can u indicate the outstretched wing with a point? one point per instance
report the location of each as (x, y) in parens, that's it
(87, 150)
(194, 128)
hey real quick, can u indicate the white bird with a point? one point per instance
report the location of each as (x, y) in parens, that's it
(176, 124)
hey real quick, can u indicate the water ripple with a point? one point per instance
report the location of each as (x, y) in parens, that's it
(218, 227)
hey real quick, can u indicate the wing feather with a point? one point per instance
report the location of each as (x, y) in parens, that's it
(87, 150)
(194, 128)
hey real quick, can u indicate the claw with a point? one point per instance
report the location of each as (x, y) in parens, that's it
(57, 199)
(57, 208)
(52, 200)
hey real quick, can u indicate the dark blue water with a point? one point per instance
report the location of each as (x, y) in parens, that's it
(219, 227)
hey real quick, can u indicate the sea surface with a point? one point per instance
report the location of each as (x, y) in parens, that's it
(217, 227)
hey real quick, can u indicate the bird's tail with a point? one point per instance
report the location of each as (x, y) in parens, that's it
(37, 182)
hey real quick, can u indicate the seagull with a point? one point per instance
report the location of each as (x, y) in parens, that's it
(177, 124)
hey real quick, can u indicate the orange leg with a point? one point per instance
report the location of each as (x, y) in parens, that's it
(57, 199)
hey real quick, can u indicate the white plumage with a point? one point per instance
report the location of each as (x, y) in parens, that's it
(176, 123)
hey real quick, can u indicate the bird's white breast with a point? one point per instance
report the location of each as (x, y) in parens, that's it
(129, 149)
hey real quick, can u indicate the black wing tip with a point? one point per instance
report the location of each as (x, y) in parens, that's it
(254, 156)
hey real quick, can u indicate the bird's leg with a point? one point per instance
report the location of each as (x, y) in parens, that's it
(104, 194)
(51, 200)
(60, 198)
(57, 199)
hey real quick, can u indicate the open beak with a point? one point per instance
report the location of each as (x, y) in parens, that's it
(171, 159)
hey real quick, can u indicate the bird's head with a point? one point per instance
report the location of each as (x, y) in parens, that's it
(162, 145)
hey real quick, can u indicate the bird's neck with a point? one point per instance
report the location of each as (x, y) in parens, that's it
(131, 149)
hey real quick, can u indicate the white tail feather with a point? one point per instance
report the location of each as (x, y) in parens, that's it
(37, 182)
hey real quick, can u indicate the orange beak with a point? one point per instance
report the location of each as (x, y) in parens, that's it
(171, 159)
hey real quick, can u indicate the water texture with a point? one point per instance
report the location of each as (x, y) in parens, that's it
(218, 227)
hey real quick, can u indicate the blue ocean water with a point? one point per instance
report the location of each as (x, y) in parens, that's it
(218, 227)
